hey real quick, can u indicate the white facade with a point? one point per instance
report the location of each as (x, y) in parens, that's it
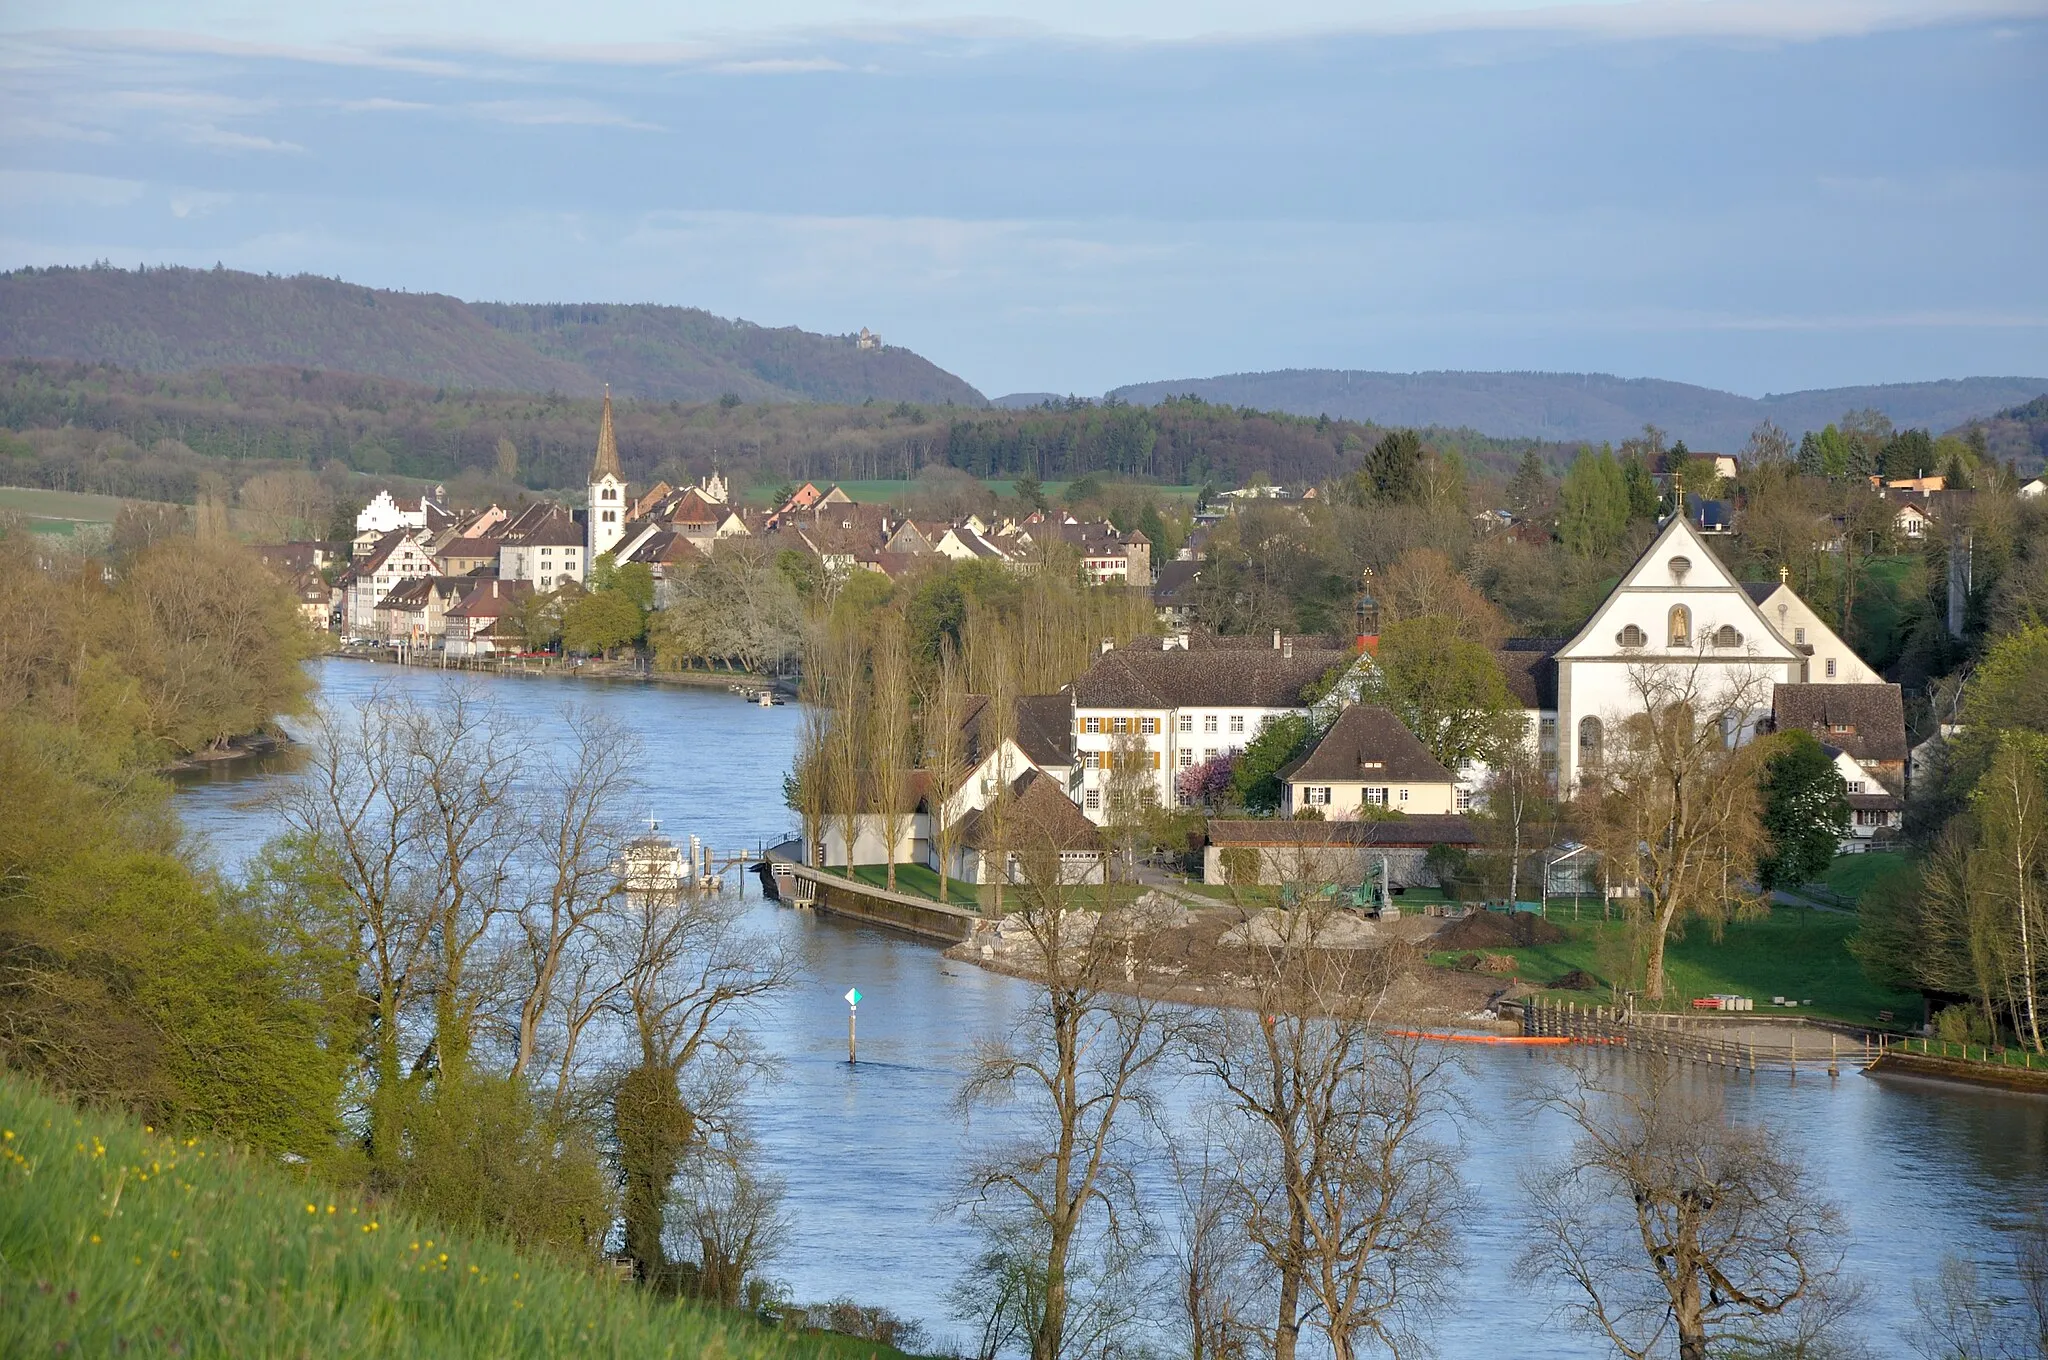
(1678, 622)
(606, 522)
(404, 561)
(548, 565)
(1824, 658)
(1172, 740)
(382, 515)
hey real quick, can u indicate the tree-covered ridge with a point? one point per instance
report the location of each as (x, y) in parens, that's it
(153, 436)
(173, 320)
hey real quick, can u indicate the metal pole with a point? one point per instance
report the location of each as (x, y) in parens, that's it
(852, 1050)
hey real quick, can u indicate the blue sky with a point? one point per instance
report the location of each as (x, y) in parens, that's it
(1067, 196)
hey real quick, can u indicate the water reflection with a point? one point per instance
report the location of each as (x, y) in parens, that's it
(871, 1153)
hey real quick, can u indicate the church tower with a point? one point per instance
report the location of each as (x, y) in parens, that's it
(606, 521)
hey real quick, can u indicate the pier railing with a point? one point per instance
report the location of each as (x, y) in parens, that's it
(1687, 1040)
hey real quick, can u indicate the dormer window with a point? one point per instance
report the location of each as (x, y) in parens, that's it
(1631, 636)
(1681, 626)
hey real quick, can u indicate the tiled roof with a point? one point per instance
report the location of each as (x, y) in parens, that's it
(490, 599)
(1434, 829)
(1529, 666)
(1874, 716)
(1174, 577)
(1759, 591)
(1045, 728)
(1264, 678)
(1368, 735)
(1039, 812)
(1875, 802)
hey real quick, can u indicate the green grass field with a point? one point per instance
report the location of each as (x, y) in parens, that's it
(1850, 876)
(1794, 952)
(58, 512)
(919, 881)
(879, 492)
(115, 1240)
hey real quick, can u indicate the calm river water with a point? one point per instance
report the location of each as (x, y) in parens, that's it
(869, 1152)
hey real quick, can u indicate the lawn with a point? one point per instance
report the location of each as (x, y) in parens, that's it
(919, 881)
(1794, 952)
(58, 512)
(118, 1240)
(1850, 876)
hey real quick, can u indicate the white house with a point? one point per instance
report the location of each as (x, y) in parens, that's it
(1172, 708)
(545, 545)
(1874, 810)
(385, 513)
(2037, 487)
(396, 557)
(1678, 620)
(1367, 762)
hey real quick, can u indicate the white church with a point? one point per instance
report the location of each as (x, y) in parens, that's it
(1680, 620)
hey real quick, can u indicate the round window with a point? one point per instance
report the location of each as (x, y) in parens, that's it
(1680, 567)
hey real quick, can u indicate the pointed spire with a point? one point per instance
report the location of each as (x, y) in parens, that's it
(607, 464)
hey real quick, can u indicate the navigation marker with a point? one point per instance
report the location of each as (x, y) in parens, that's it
(852, 1006)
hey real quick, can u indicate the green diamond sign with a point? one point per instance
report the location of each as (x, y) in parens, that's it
(853, 996)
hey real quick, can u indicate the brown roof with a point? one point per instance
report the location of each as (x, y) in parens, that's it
(490, 599)
(1039, 812)
(1172, 578)
(478, 548)
(548, 526)
(1045, 728)
(1875, 802)
(1368, 742)
(1209, 679)
(1529, 665)
(1420, 830)
(1867, 721)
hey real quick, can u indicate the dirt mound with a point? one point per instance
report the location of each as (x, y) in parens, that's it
(1498, 963)
(1497, 930)
(1577, 980)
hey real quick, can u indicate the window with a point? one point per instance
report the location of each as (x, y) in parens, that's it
(1727, 636)
(1186, 757)
(1831, 668)
(1589, 742)
(1462, 800)
(1186, 723)
(611, 493)
(1092, 725)
(546, 581)
(1375, 797)
(1855, 786)
(1681, 626)
(1372, 764)
(1095, 800)
(611, 516)
(1631, 636)
(1208, 753)
(1799, 636)
(1316, 795)
(1237, 722)
(1149, 726)
(1208, 722)
(1091, 760)
(1404, 795)
(1681, 567)
(1120, 725)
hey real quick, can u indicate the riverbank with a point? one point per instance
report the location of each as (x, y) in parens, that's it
(589, 668)
(252, 746)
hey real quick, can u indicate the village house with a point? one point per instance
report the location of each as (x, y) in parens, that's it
(397, 556)
(476, 625)
(545, 545)
(1367, 763)
(1170, 708)
(1866, 721)
(1272, 851)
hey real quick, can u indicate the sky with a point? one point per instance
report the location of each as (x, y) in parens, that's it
(1068, 195)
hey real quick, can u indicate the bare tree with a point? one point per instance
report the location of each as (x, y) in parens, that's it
(1345, 1193)
(689, 972)
(1672, 804)
(1080, 1061)
(1211, 1266)
(889, 734)
(847, 776)
(1669, 1228)
(945, 757)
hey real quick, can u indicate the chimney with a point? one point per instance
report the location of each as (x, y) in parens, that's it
(1108, 645)
(1276, 639)
(1287, 649)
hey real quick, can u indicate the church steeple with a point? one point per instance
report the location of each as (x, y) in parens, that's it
(607, 463)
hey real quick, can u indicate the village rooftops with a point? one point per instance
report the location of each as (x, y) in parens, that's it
(1039, 813)
(490, 599)
(545, 526)
(1420, 830)
(1530, 668)
(1867, 721)
(1367, 742)
(1271, 678)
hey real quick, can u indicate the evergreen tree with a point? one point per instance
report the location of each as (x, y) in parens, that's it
(1642, 489)
(1529, 489)
(1393, 469)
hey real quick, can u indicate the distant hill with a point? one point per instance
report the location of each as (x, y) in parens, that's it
(2019, 433)
(1586, 406)
(181, 320)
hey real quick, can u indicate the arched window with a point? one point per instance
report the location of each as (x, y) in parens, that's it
(1726, 636)
(1631, 636)
(1681, 626)
(1589, 743)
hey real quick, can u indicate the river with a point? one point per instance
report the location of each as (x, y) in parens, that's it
(869, 1153)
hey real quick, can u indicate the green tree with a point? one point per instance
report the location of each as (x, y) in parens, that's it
(1393, 470)
(601, 621)
(1031, 491)
(1642, 489)
(1449, 692)
(1593, 508)
(1255, 777)
(1529, 488)
(1805, 811)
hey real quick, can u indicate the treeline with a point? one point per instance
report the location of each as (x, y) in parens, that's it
(92, 427)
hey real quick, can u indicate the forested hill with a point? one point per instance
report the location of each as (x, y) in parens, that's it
(180, 320)
(94, 427)
(1589, 406)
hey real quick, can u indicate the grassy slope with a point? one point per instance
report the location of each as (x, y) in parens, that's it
(64, 506)
(115, 1240)
(1793, 952)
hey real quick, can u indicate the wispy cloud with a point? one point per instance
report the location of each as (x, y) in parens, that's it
(555, 113)
(777, 66)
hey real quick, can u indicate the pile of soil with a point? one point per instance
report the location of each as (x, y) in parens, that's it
(1577, 980)
(1503, 964)
(1497, 930)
